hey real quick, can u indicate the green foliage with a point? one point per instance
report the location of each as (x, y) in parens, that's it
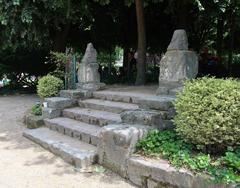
(37, 110)
(208, 113)
(49, 86)
(59, 60)
(168, 145)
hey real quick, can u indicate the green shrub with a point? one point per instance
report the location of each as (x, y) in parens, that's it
(169, 145)
(37, 110)
(49, 86)
(208, 113)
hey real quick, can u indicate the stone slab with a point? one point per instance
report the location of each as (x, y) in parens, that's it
(117, 143)
(145, 101)
(109, 106)
(60, 102)
(95, 117)
(159, 173)
(50, 113)
(82, 131)
(76, 94)
(75, 152)
(143, 117)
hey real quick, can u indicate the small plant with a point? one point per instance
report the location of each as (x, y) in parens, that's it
(37, 110)
(169, 145)
(208, 113)
(49, 86)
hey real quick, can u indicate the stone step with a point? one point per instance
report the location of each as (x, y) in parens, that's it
(91, 116)
(75, 152)
(82, 131)
(109, 106)
(146, 101)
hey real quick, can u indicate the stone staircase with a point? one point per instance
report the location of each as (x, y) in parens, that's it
(73, 130)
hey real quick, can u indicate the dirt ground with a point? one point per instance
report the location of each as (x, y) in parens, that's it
(24, 164)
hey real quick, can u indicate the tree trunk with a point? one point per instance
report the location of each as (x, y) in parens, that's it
(141, 59)
(220, 24)
(232, 32)
(60, 40)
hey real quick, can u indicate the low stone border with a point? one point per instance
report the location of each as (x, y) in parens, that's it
(116, 151)
(33, 121)
(152, 173)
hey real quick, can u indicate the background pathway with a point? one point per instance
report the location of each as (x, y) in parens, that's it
(25, 164)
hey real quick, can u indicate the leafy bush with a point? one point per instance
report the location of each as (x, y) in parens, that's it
(169, 145)
(208, 113)
(37, 110)
(49, 86)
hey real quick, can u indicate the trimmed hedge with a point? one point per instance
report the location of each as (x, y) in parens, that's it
(208, 113)
(49, 86)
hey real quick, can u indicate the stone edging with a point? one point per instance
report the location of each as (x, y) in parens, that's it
(152, 173)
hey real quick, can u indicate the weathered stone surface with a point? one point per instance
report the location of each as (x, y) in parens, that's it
(73, 151)
(88, 75)
(82, 131)
(179, 40)
(33, 121)
(95, 117)
(50, 113)
(109, 106)
(145, 117)
(117, 143)
(174, 91)
(76, 94)
(145, 101)
(60, 102)
(159, 173)
(163, 103)
(177, 66)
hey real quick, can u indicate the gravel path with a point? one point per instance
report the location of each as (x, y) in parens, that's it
(25, 164)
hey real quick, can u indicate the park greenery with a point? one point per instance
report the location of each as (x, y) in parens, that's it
(30, 30)
(37, 110)
(206, 137)
(49, 86)
(172, 147)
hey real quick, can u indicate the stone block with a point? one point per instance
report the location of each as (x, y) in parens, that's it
(49, 113)
(144, 117)
(163, 103)
(60, 102)
(76, 94)
(33, 121)
(152, 173)
(117, 143)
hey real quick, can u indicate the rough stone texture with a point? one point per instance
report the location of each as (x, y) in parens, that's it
(109, 106)
(163, 103)
(75, 152)
(117, 143)
(145, 101)
(50, 113)
(88, 75)
(76, 94)
(145, 117)
(82, 131)
(159, 173)
(177, 66)
(60, 103)
(179, 40)
(95, 117)
(33, 121)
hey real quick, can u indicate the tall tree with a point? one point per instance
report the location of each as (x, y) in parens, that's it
(141, 51)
